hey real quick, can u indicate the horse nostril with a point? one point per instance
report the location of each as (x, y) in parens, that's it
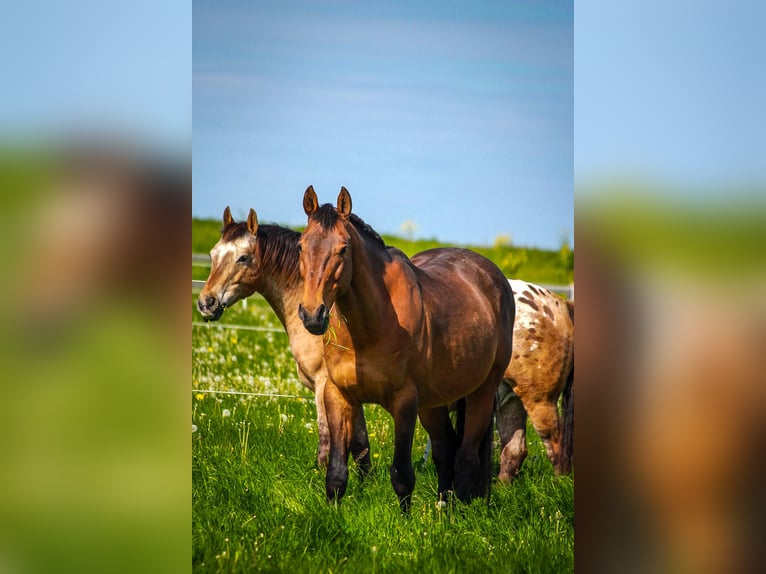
(321, 313)
(301, 312)
(206, 302)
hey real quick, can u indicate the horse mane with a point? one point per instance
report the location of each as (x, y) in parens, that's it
(366, 230)
(279, 247)
(281, 250)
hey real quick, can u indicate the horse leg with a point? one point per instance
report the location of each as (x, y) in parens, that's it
(444, 444)
(405, 412)
(323, 452)
(340, 417)
(483, 484)
(512, 428)
(469, 465)
(360, 444)
(546, 422)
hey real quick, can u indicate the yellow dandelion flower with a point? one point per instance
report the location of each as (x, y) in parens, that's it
(199, 396)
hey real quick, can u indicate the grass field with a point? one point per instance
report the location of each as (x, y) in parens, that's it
(258, 500)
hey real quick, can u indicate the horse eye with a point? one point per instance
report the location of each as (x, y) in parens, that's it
(300, 248)
(343, 250)
(242, 259)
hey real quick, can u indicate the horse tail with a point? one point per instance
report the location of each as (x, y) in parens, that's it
(567, 407)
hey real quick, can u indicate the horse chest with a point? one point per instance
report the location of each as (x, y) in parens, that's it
(368, 378)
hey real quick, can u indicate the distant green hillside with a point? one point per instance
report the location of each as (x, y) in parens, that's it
(530, 264)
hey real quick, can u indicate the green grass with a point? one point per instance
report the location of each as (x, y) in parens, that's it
(530, 264)
(258, 500)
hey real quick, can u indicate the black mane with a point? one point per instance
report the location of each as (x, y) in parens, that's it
(366, 230)
(279, 250)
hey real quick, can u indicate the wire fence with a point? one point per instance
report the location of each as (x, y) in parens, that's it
(247, 394)
(234, 326)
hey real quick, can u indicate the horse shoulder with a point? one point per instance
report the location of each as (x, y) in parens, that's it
(404, 286)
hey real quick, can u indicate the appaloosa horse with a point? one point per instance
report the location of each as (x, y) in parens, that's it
(413, 339)
(541, 370)
(252, 258)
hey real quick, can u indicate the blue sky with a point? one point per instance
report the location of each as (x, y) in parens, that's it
(457, 116)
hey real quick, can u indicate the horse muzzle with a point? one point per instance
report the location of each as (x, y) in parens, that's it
(316, 323)
(210, 308)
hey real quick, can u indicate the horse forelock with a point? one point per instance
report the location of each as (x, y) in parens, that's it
(234, 231)
(326, 216)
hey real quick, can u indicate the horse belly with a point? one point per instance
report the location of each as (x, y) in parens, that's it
(457, 374)
(462, 352)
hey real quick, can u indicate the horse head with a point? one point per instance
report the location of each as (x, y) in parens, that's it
(325, 260)
(235, 269)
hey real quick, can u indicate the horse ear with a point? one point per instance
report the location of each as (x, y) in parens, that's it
(252, 221)
(227, 218)
(344, 202)
(310, 201)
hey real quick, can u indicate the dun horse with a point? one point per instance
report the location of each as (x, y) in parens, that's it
(253, 258)
(413, 339)
(542, 367)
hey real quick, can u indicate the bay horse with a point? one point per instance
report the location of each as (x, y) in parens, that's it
(541, 370)
(252, 258)
(413, 339)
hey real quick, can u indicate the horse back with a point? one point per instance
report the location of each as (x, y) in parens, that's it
(447, 273)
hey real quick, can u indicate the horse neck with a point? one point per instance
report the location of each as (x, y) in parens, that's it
(367, 302)
(284, 301)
